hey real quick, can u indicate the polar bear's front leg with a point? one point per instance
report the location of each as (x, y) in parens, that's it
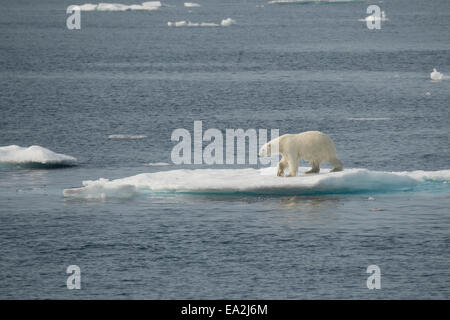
(281, 165)
(293, 167)
(337, 164)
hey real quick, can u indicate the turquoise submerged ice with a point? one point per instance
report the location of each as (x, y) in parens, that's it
(138, 226)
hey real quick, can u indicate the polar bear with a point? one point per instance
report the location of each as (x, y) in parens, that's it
(312, 146)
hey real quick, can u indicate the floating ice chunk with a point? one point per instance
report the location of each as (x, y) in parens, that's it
(180, 24)
(436, 75)
(157, 164)
(152, 4)
(191, 24)
(88, 7)
(208, 24)
(258, 182)
(148, 6)
(369, 119)
(191, 5)
(34, 155)
(104, 6)
(96, 190)
(112, 7)
(126, 136)
(135, 7)
(308, 1)
(227, 22)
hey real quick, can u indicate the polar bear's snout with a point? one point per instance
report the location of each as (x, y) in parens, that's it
(264, 151)
(261, 153)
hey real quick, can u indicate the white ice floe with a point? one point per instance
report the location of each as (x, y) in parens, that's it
(257, 182)
(225, 23)
(103, 6)
(126, 136)
(436, 75)
(34, 155)
(191, 5)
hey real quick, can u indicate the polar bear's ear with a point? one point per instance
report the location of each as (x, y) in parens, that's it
(269, 149)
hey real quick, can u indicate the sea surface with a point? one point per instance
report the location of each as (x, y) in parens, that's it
(112, 93)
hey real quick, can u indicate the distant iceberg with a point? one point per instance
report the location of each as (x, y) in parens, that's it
(34, 155)
(103, 6)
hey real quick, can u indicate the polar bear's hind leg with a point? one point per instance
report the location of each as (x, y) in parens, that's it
(315, 167)
(337, 165)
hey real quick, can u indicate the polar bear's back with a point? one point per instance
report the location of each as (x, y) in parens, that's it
(313, 146)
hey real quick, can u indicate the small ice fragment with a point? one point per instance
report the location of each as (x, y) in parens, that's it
(436, 75)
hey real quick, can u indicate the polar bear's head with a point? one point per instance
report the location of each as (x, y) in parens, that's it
(271, 148)
(267, 150)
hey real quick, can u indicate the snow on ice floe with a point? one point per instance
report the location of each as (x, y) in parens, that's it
(103, 6)
(191, 5)
(127, 136)
(225, 23)
(436, 75)
(34, 155)
(255, 182)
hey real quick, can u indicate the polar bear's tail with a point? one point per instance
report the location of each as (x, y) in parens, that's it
(337, 164)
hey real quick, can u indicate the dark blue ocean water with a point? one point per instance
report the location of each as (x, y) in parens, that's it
(293, 67)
